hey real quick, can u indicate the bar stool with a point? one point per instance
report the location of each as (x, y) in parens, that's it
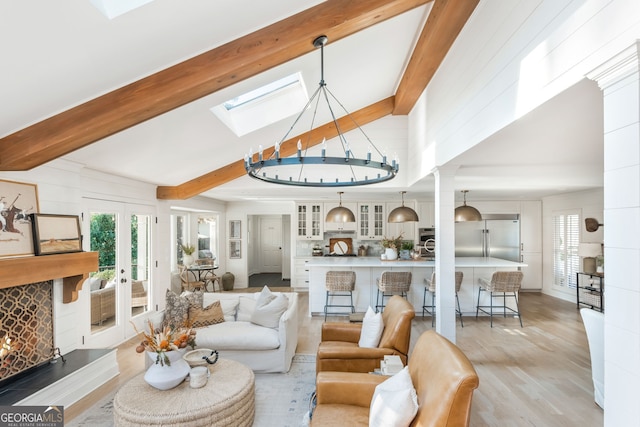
(501, 282)
(430, 286)
(390, 283)
(339, 284)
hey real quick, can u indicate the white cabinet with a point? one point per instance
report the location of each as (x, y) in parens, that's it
(426, 215)
(300, 273)
(340, 226)
(532, 274)
(408, 229)
(371, 219)
(531, 226)
(309, 221)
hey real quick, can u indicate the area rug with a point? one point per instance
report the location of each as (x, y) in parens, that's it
(282, 400)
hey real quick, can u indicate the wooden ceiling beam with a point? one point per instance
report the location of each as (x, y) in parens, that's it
(289, 147)
(192, 79)
(444, 23)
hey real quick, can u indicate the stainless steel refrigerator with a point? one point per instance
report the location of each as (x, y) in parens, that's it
(496, 236)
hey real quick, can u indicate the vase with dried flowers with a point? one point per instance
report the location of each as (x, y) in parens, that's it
(165, 347)
(391, 246)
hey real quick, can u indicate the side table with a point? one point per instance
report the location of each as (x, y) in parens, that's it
(228, 399)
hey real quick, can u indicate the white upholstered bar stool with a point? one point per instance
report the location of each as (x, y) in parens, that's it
(339, 284)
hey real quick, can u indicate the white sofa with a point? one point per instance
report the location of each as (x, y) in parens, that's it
(261, 348)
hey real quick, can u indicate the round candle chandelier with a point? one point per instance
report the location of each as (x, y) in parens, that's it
(303, 169)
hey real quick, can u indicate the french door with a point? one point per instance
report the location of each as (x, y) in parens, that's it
(119, 292)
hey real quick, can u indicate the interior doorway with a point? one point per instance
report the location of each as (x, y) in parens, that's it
(269, 250)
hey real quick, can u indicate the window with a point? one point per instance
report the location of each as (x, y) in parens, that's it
(566, 236)
(196, 228)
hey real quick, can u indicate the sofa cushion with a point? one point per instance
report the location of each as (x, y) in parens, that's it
(210, 315)
(237, 335)
(228, 302)
(95, 283)
(372, 327)
(246, 307)
(269, 310)
(394, 402)
(177, 306)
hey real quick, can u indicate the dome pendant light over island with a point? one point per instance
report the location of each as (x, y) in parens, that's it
(403, 213)
(466, 213)
(340, 214)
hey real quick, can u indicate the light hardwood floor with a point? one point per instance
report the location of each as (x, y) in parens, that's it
(538, 375)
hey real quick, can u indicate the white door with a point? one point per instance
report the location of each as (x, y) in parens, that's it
(271, 245)
(122, 236)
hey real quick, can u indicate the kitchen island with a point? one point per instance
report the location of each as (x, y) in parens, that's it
(368, 269)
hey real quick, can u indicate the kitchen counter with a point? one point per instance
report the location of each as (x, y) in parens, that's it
(368, 269)
(463, 262)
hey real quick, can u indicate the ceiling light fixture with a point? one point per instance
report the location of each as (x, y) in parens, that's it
(340, 214)
(403, 213)
(466, 213)
(357, 171)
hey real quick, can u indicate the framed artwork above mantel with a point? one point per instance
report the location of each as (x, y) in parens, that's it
(17, 201)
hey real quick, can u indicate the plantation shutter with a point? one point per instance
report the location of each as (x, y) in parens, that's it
(566, 236)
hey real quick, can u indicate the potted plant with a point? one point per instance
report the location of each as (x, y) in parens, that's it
(187, 258)
(391, 246)
(405, 249)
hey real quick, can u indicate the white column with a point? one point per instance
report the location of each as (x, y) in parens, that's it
(619, 80)
(445, 252)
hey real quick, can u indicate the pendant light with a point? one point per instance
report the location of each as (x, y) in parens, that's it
(340, 213)
(466, 213)
(403, 213)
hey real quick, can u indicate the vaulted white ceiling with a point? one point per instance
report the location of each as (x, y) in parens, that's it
(57, 55)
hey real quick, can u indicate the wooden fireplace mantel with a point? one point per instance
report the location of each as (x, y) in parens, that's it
(73, 268)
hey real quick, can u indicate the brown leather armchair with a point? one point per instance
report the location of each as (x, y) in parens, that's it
(339, 350)
(442, 375)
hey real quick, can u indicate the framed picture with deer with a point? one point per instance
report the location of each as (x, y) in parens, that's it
(17, 201)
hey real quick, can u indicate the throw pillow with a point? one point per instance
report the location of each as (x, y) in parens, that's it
(372, 327)
(269, 310)
(210, 315)
(94, 283)
(177, 306)
(246, 307)
(394, 402)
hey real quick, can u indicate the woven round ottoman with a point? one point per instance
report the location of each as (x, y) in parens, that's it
(228, 399)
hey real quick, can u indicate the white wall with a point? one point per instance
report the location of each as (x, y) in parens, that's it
(62, 185)
(241, 211)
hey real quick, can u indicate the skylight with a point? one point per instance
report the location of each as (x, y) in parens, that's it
(114, 8)
(263, 106)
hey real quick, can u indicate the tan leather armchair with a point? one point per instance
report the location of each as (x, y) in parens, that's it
(442, 375)
(339, 350)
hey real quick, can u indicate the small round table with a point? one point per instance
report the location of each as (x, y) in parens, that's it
(228, 399)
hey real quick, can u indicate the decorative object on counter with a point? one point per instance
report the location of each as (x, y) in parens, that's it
(187, 257)
(353, 171)
(228, 280)
(403, 213)
(317, 250)
(341, 246)
(362, 250)
(592, 224)
(589, 252)
(405, 249)
(391, 246)
(340, 214)
(600, 264)
(465, 212)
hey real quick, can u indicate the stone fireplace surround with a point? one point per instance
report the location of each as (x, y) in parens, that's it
(58, 383)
